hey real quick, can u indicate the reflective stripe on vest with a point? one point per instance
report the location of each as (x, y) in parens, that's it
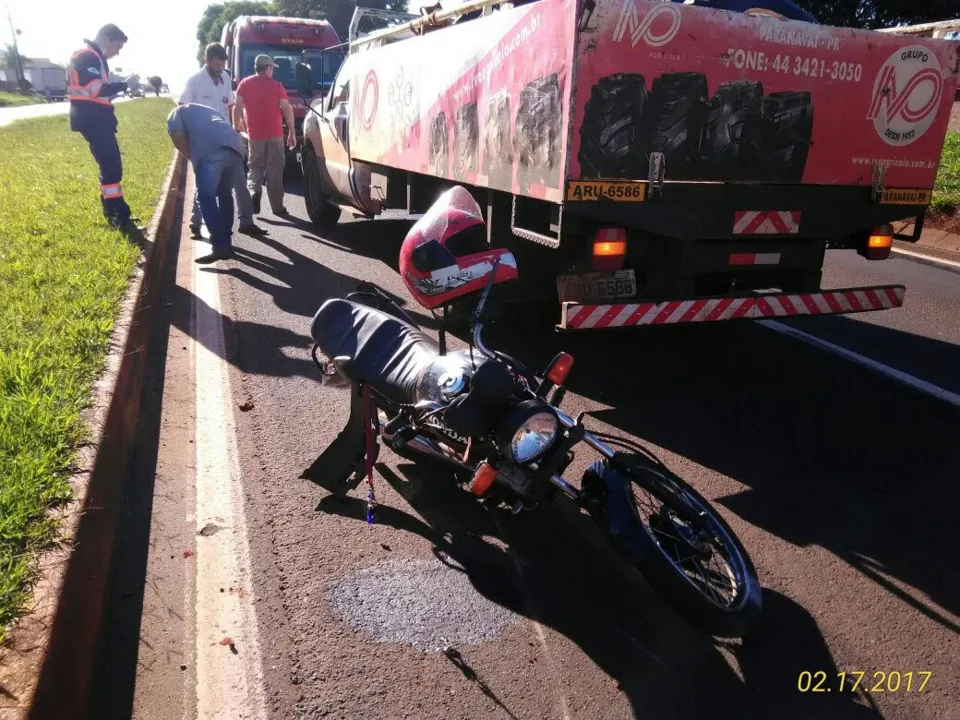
(88, 92)
(112, 190)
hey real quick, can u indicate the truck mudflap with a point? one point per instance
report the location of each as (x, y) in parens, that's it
(575, 316)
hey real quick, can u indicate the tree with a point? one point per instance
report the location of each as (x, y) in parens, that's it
(216, 16)
(874, 14)
(155, 83)
(337, 12)
(14, 61)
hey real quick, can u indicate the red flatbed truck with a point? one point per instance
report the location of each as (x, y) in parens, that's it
(288, 41)
(647, 162)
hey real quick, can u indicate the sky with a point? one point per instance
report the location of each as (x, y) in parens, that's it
(162, 34)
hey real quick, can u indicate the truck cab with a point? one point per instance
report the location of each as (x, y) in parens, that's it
(288, 41)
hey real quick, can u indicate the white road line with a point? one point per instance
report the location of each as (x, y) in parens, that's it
(928, 258)
(229, 664)
(898, 375)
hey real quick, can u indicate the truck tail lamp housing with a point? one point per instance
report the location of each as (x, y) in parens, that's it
(609, 249)
(879, 242)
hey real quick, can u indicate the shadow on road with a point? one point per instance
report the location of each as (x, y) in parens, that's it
(833, 455)
(559, 572)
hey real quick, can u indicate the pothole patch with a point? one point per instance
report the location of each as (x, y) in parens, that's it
(423, 603)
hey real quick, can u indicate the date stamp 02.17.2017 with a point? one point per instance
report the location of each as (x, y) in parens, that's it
(855, 680)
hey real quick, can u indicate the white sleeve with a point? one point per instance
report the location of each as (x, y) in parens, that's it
(189, 91)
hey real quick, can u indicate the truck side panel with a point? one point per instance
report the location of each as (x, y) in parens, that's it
(485, 103)
(729, 97)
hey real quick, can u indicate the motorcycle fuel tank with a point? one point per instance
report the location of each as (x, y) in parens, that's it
(448, 376)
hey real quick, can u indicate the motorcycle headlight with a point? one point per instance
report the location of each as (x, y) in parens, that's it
(527, 431)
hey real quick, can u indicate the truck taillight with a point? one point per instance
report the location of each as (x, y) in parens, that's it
(879, 243)
(609, 249)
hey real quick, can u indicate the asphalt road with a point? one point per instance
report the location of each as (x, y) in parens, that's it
(841, 483)
(26, 112)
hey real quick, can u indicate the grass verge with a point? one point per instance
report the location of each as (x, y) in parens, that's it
(63, 273)
(946, 191)
(13, 99)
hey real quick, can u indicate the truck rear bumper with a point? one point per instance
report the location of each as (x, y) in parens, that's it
(574, 316)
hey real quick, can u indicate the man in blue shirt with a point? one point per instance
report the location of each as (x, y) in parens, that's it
(207, 140)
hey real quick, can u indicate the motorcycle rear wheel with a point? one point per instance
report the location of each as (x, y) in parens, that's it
(687, 552)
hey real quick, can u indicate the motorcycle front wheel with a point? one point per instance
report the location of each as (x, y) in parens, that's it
(680, 544)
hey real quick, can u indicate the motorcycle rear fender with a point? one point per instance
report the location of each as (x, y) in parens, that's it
(610, 489)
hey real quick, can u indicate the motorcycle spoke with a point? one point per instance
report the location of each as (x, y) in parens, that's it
(713, 576)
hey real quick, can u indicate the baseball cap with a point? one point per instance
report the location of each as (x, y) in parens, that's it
(263, 61)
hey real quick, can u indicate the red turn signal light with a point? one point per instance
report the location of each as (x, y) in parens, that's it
(879, 243)
(482, 479)
(609, 249)
(559, 368)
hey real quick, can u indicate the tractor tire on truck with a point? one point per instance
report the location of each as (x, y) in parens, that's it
(497, 148)
(439, 146)
(677, 116)
(788, 121)
(320, 211)
(733, 137)
(538, 133)
(612, 131)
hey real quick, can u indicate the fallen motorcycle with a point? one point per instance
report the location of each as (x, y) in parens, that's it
(498, 423)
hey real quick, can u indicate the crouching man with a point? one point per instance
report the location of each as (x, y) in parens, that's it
(208, 141)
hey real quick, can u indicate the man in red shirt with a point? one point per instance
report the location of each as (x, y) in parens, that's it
(260, 100)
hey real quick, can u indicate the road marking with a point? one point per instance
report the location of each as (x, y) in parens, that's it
(898, 375)
(229, 664)
(928, 258)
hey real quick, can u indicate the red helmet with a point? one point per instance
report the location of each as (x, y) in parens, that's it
(445, 256)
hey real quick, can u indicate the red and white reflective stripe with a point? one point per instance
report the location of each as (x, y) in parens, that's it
(829, 302)
(754, 258)
(112, 190)
(766, 222)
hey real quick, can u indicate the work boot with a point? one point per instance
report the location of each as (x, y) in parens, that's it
(255, 198)
(129, 225)
(251, 230)
(217, 254)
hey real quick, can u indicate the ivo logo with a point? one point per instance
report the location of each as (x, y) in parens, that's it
(906, 95)
(665, 31)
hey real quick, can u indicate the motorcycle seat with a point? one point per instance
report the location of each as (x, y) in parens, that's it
(373, 347)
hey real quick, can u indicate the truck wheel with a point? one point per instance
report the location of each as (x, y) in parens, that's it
(677, 117)
(610, 135)
(734, 132)
(321, 212)
(788, 124)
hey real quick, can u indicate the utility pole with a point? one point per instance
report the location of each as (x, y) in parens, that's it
(21, 78)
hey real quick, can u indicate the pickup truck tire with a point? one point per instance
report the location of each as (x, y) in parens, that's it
(611, 132)
(788, 121)
(320, 211)
(677, 118)
(734, 132)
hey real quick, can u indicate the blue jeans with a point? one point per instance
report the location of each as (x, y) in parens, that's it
(217, 175)
(244, 206)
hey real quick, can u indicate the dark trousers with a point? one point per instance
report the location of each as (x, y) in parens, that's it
(217, 175)
(103, 144)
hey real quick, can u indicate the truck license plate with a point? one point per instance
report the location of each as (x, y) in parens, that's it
(597, 286)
